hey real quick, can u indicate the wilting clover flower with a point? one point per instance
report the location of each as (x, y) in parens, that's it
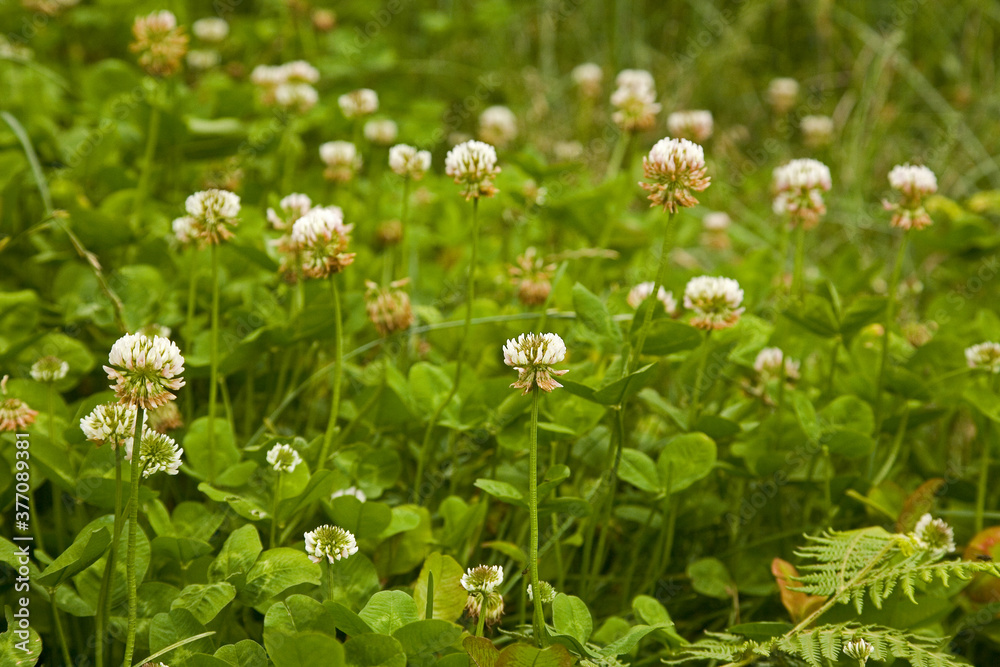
(49, 369)
(357, 103)
(532, 356)
(283, 458)
(381, 131)
(532, 277)
(341, 159)
(111, 423)
(914, 183)
(817, 131)
(158, 452)
(15, 414)
(409, 162)
(473, 165)
(768, 364)
(165, 418)
(782, 94)
(388, 307)
(859, 649)
(322, 238)
(634, 101)
(934, 535)
(482, 578)
(330, 542)
(715, 302)
(145, 370)
(497, 125)
(984, 356)
(674, 168)
(588, 77)
(161, 45)
(641, 292)
(350, 491)
(489, 604)
(799, 186)
(211, 29)
(548, 593)
(695, 125)
(213, 215)
(290, 209)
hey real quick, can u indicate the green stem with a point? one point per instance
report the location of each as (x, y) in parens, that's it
(798, 286)
(100, 620)
(833, 365)
(152, 136)
(406, 263)
(213, 362)
(338, 369)
(60, 633)
(538, 623)
(288, 148)
(897, 443)
(615, 161)
(984, 467)
(274, 511)
(481, 620)
(652, 300)
(133, 529)
(696, 394)
(189, 326)
(426, 456)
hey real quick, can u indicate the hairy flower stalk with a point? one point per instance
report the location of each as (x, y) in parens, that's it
(410, 164)
(282, 458)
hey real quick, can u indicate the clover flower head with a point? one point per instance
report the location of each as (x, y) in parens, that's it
(160, 43)
(768, 364)
(716, 221)
(388, 307)
(381, 131)
(158, 452)
(357, 103)
(715, 302)
(299, 71)
(984, 356)
(548, 593)
(290, 209)
(489, 604)
(350, 491)
(588, 78)
(532, 356)
(268, 77)
(283, 458)
(934, 535)
(497, 125)
(482, 578)
(321, 238)
(295, 97)
(782, 94)
(165, 418)
(799, 186)
(111, 423)
(145, 370)
(288, 86)
(635, 79)
(211, 29)
(695, 125)
(330, 542)
(409, 162)
(213, 215)
(184, 229)
(567, 151)
(532, 276)
(859, 649)
(638, 294)
(15, 414)
(49, 369)
(634, 101)
(342, 160)
(914, 183)
(817, 131)
(202, 59)
(473, 165)
(673, 169)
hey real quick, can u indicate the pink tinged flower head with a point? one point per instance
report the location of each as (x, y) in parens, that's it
(15, 415)
(342, 160)
(330, 542)
(588, 78)
(389, 307)
(533, 278)
(111, 423)
(716, 302)
(532, 356)
(634, 101)
(159, 42)
(145, 370)
(914, 183)
(984, 356)
(290, 209)
(358, 103)
(768, 364)
(473, 165)
(674, 169)
(799, 186)
(408, 162)
(213, 214)
(321, 238)
(695, 125)
(641, 292)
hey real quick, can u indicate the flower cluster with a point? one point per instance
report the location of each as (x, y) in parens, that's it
(111, 423)
(211, 217)
(532, 356)
(715, 302)
(49, 369)
(321, 238)
(158, 452)
(481, 583)
(288, 86)
(165, 418)
(342, 160)
(634, 101)
(330, 542)
(817, 131)
(859, 650)
(381, 131)
(473, 165)
(408, 162)
(145, 370)
(769, 361)
(358, 103)
(694, 125)
(547, 592)
(497, 126)
(352, 491)
(290, 209)
(934, 536)
(211, 29)
(15, 415)
(782, 94)
(984, 356)
(160, 43)
(588, 78)
(674, 168)
(638, 294)
(532, 278)
(388, 307)
(799, 186)
(914, 183)
(283, 458)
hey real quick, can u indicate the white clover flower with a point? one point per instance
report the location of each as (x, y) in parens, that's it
(381, 131)
(268, 76)
(817, 131)
(211, 29)
(184, 229)
(934, 535)
(641, 292)
(299, 71)
(914, 183)
(782, 94)
(674, 168)
(799, 186)
(341, 159)
(213, 215)
(984, 356)
(145, 370)
(158, 452)
(202, 59)
(330, 542)
(588, 78)
(695, 125)
(49, 369)
(473, 165)
(635, 79)
(409, 162)
(567, 151)
(357, 103)
(321, 237)
(482, 578)
(634, 101)
(350, 491)
(290, 209)
(532, 356)
(548, 592)
(715, 302)
(297, 97)
(716, 221)
(768, 364)
(111, 423)
(283, 458)
(859, 650)
(497, 125)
